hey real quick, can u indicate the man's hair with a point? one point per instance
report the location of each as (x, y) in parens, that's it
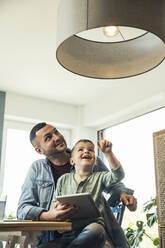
(36, 128)
(81, 140)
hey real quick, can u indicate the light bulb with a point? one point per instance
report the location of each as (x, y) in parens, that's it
(110, 31)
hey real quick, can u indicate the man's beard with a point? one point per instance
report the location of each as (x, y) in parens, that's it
(55, 152)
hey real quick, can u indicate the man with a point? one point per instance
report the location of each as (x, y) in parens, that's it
(39, 185)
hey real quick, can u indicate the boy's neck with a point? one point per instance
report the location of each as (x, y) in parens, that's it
(80, 176)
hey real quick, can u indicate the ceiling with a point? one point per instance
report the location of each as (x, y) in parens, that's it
(28, 62)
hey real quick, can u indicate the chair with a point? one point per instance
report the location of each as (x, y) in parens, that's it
(119, 212)
(2, 213)
(2, 209)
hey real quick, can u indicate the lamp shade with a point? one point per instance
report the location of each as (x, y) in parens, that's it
(107, 60)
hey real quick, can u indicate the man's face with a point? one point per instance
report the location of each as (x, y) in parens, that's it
(49, 141)
(83, 155)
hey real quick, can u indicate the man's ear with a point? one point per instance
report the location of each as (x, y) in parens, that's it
(72, 161)
(37, 149)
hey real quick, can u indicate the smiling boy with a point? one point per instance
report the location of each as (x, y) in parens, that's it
(89, 232)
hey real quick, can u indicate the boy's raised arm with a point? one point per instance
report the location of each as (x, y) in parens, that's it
(106, 147)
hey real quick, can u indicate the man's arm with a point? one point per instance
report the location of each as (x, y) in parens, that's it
(28, 205)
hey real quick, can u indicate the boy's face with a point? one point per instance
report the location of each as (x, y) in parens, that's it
(83, 155)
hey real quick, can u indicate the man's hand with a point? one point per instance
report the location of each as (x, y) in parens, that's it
(58, 212)
(129, 200)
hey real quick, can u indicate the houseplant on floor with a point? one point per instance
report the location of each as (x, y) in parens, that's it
(135, 235)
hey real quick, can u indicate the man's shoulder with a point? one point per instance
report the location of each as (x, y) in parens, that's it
(40, 163)
(40, 172)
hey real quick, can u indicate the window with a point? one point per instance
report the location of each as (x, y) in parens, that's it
(133, 145)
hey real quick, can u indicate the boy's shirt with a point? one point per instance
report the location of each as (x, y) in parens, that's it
(93, 184)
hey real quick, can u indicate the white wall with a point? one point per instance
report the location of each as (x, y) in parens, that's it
(81, 131)
(107, 115)
(33, 110)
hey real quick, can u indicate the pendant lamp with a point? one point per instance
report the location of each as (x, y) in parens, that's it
(110, 60)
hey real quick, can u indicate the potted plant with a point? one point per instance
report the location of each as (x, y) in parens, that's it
(135, 235)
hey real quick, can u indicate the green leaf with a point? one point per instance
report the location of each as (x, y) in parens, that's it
(156, 241)
(149, 204)
(151, 218)
(10, 216)
(135, 236)
(140, 224)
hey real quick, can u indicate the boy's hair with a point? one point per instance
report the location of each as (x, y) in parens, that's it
(36, 128)
(81, 140)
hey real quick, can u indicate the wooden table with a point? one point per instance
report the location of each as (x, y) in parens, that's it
(25, 233)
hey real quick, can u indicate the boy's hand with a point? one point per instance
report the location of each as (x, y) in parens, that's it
(105, 145)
